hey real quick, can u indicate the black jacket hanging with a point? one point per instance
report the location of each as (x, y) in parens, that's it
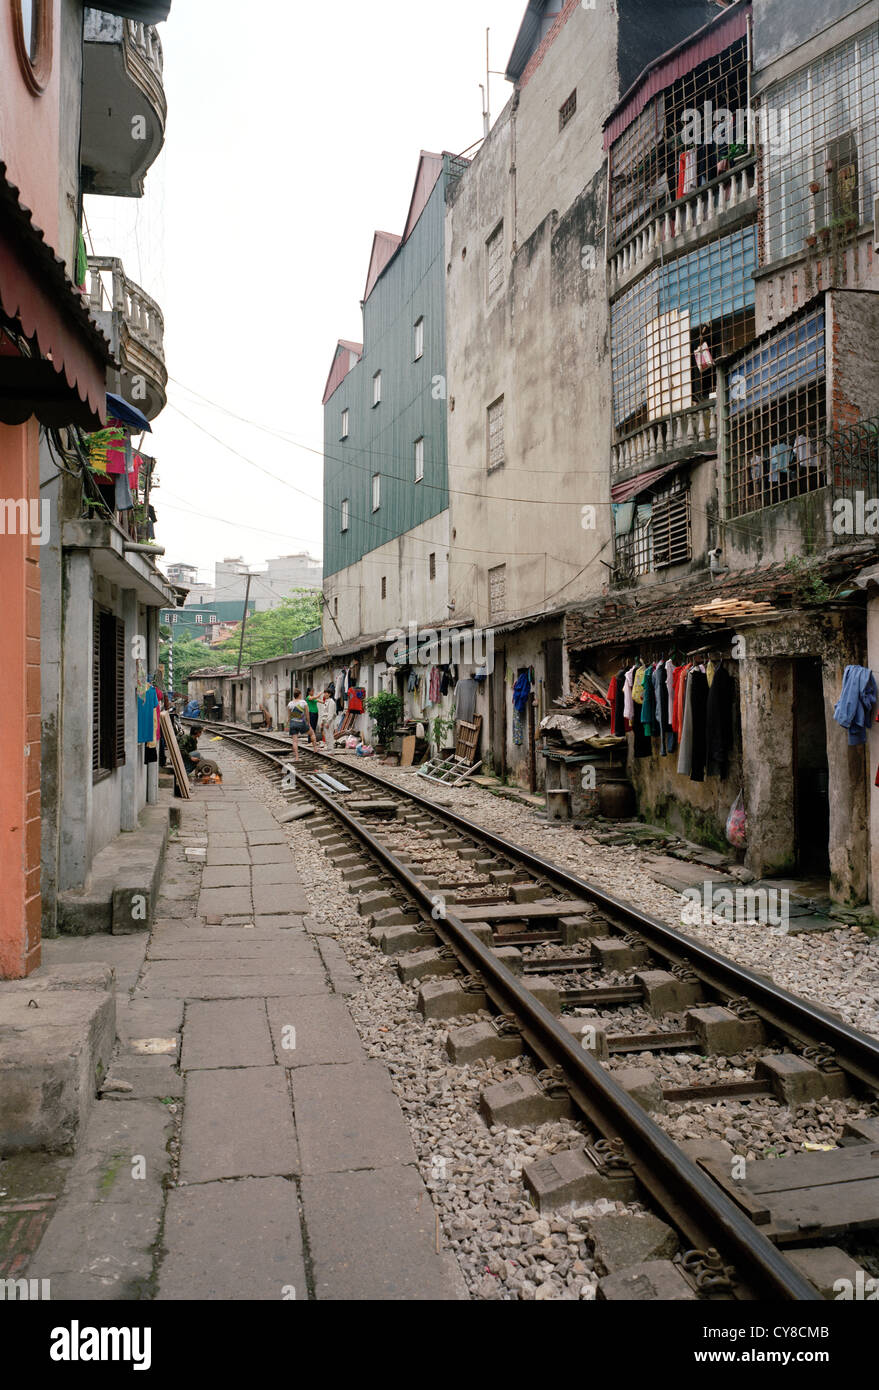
(719, 720)
(699, 702)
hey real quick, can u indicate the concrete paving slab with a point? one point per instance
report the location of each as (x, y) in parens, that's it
(149, 1078)
(97, 1250)
(270, 854)
(223, 901)
(322, 1031)
(240, 986)
(269, 899)
(228, 839)
(245, 943)
(281, 960)
(342, 977)
(226, 876)
(266, 837)
(347, 1116)
(372, 1236)
(225, 857)
(181, 911)
(288, 921)
(148, 1018)
(236, 1124)
(226, 1033)
(236, 1241)
(275, 873)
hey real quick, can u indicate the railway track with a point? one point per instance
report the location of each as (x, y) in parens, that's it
(487, 928)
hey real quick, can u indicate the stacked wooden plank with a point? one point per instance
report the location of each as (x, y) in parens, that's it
(726, 611)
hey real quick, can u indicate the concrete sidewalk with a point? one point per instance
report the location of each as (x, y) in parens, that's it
(294, 1175)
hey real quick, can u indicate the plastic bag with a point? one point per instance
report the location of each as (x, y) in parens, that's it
(737, 823)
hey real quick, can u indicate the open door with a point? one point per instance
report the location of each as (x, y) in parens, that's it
(811, 776)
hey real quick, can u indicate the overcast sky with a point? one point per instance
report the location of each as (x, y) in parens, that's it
(294, 132)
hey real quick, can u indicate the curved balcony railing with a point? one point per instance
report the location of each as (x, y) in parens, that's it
(700, 209)
(660, 440)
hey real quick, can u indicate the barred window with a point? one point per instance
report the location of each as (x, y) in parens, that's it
(496, 455)
(108, 693)
(497, 592)
(494, 260)
(819, 142)
(567, 110)
(669, 329)
(777, 417)
(688, 135)
(653, 532)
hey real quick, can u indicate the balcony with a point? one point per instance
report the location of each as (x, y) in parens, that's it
(685, 435)
(728, 200)
(123, 103)
(134, 324)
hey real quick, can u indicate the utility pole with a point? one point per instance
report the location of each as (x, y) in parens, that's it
(243, 623)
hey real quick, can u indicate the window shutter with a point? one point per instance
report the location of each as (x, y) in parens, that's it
(119, 723)
(96, 692)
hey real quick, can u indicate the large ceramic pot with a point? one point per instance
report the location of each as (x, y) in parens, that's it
(616, 800)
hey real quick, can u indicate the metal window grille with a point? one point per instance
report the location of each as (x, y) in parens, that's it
(345, 512)
(819, 144)
(384, 586)
(419, 339)
(344, 424)
(419, 459)
(376, 491)
(659, 535)
(376, 388)
(669, 329)
(776, 417)
(108, 692)
(496, 455)
(567, 110)
(497, 592)
(494, 248)
(431, 565)
(686, 137)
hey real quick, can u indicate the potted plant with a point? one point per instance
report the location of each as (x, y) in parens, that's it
(440, 728)
(814, 187)
(811, 240)
(384, 709)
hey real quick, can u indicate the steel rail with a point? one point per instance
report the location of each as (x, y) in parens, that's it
(696, 1204)
(812, 1025)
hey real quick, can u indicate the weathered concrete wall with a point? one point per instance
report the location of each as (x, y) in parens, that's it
(70, 96)
(780, 28)
(768, 714)
(410, 594)
(853, 363)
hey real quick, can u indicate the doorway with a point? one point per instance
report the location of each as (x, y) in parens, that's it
(811, 773)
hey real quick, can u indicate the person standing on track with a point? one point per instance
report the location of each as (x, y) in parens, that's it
(325, 719)
(311, 700)
(299, 722)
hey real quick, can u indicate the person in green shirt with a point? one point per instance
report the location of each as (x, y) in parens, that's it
(311, 701)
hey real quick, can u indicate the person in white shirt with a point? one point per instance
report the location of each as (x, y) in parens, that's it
(299, 722)
(326, 715)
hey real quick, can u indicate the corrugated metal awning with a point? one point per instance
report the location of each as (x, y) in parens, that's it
(66, 383)
(706, 43)
(622, 492)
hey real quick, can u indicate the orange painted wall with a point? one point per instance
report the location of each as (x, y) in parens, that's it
(29, 126)
(20, 722)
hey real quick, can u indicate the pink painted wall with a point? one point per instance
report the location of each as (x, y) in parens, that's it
(29, 125)
(20, 724)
